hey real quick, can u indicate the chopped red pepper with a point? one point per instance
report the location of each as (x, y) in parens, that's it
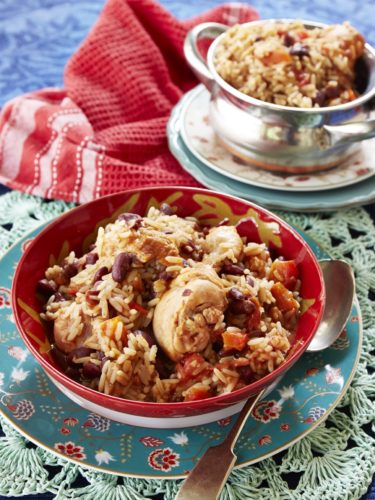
(195, 393)
(284, 271)
(234, 340)
(276, 57)
(193, 366)
(138, 307)
(284, 298)
(302, 35)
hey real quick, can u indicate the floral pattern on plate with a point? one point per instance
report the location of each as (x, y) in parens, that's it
(199, 137)
(32, 404)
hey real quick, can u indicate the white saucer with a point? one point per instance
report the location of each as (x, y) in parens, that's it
(199, 137)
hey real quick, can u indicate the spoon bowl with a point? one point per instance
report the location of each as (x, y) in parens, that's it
(340, 289)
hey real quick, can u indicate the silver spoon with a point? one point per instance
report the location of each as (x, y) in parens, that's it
(209, 476)
(340, 289)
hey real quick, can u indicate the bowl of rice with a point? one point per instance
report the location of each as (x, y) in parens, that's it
(167, 307)
(287, 95)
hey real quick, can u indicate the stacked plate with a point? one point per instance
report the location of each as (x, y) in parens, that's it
(192, 141)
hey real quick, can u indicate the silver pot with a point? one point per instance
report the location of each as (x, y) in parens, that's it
(282, 138)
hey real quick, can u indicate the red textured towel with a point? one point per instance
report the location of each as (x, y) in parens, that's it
(107, 130)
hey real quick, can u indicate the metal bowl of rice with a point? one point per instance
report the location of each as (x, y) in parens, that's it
(287, 95)
(167, 307)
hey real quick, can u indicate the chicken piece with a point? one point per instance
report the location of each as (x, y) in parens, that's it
(187, 314)
(150, 245)
(69, 334)
(222, 243)
(153, 245)
(199, 271)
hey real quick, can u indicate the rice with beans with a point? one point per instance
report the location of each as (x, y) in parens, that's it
(284, 63)
(163, 309)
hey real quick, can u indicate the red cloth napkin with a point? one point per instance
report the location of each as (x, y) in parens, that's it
(107, 130)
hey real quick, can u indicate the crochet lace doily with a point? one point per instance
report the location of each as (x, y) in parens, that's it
(335, 461)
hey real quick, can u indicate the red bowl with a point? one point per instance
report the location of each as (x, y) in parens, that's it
(76, 230)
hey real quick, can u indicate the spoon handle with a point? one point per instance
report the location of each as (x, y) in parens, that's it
(208, 477)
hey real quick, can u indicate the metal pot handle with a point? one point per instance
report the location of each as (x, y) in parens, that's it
(350, 132)
(192, 54)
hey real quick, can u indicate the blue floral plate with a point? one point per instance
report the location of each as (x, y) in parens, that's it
(32, 404)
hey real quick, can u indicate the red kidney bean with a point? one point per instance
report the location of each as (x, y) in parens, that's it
(80, 352)
(242, 307)
(320, 98)
(46, 287)
(121, 266)
(246, 374)
(90, 370)
(332, 91)
(91, 258)
(288, 40)
(165, 275)
(60, 357)
(161, 367)
(70, 270)
(102, 357)
(217, 346)
(235, 294)
(240, 303)
(73, 373)
(188, 247)
(256, 333)
(249, 280)
(98, 276)
(90, 297)
(232, 269)
(299, 50)
(166, 209)
(149, 339)
(187, 292)
(227, 352)
(133, 221)
(59, 297)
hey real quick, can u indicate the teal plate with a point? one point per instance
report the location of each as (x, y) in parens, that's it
(33, 405)
(360, 193)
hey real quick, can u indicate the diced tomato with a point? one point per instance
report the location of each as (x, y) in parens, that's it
(302, 35)
(138, 307)
(192, 366)
(195, 393)
(284, 298)
(277, 57)
(253, 321)
(235, 340)
(284, 271)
